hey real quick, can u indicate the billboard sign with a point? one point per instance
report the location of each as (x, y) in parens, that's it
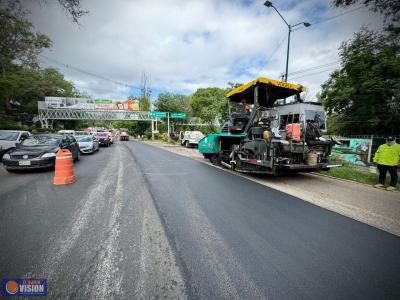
(130, 105)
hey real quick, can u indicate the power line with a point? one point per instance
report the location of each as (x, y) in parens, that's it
(68, 66)
(323, 71)
(314, 68)
(338, 15)
(313, 23)
(331, 18)
(273, 53)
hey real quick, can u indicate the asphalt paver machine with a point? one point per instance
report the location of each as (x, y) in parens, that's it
(263, 136)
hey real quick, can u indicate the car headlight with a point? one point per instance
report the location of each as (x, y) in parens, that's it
(46, 155)
(6, 156)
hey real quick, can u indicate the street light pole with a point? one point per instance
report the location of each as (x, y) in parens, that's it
(290, 27)
(287, 53)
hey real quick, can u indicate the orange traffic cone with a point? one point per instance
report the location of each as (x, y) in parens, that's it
(64, 170)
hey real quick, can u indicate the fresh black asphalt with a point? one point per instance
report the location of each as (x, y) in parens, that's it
(285, 247)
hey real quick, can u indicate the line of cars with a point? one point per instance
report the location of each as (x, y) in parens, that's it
(21, 150)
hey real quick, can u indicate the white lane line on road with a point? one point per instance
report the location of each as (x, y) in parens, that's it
(159, 275)
(108, 277)
(65, 241)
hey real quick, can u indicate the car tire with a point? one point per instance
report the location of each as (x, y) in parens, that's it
(187, 144)
(10, 171)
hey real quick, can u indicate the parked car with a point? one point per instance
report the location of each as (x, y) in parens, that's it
(10, 138)
(103, 138)
(190, 138)
(124, 136)
(87, 143)
(39, 151)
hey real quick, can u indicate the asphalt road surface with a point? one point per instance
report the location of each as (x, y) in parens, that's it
(141, 222)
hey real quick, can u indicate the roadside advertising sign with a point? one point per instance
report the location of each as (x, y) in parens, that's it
(130, 105)
(127, 105)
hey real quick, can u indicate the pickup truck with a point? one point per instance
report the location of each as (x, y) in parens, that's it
(190, 138)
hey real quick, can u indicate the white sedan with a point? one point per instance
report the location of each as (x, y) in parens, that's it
(87, 144)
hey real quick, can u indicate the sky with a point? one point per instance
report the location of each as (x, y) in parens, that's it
(183, 45)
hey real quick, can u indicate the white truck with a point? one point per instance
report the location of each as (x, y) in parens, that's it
(190, 138)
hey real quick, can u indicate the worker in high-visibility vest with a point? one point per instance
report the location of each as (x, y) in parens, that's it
(387, 157)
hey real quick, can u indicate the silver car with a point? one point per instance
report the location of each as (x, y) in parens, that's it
(87, 143)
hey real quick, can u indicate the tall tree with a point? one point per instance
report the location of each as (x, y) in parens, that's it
(20, 45)
(363, 95)
(173, 103)
(22, 89)
(210, 104)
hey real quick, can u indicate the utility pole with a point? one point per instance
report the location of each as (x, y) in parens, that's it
(145, 93)
(169, 132)
(152, 130)
(290, 27)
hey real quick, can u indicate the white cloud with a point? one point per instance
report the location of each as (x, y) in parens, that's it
(183, 45)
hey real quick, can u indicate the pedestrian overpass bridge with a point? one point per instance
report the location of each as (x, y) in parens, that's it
(47, 114)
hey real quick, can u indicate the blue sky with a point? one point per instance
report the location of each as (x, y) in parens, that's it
(183, 45)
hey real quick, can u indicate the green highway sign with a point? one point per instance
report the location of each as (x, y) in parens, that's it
(158, 114)
(175, 115)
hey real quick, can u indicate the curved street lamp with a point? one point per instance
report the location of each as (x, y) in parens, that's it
(290, 27)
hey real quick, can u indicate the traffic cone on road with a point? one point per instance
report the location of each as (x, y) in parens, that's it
(64, 170)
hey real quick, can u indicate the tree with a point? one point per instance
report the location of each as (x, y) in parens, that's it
(22, 82)
(19, 45)
(73, 9)
(363, 95)
(22, 89)
(390, 8)
(173, 103)
(210, 104)
(135, 127)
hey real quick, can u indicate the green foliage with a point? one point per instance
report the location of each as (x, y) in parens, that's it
(22, 82)
(209, 104)
(135, 127)
(19, 44)
(362, 97)
(350, 172)
(21, 89)
(173, 103)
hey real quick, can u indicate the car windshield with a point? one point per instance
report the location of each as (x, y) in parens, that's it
(8, 135)
(41, 140)
(102, 134)
(83, 138)
(196, 134)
